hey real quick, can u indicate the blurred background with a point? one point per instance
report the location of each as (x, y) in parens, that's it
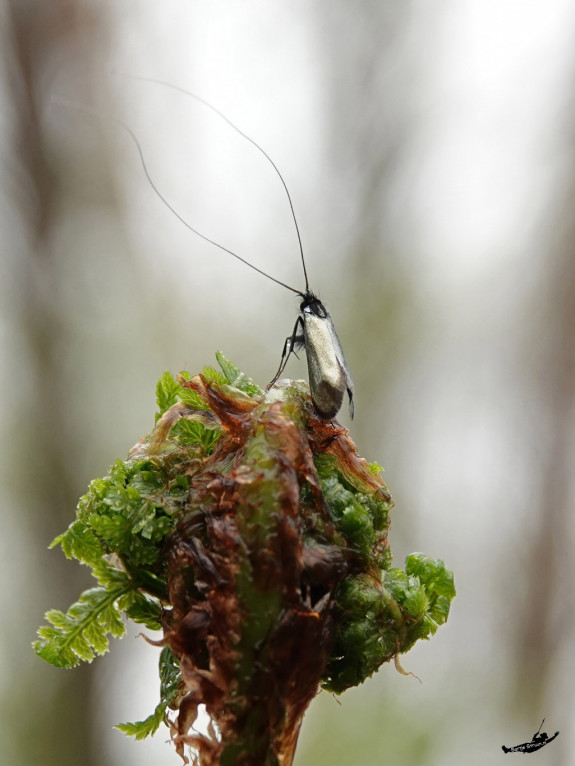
(428, 148)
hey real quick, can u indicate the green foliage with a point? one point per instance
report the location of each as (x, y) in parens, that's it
(437, 583)
(126, 513)
(170, 683)
(147, 727)
(189, 397)
(381, 619)
(125, 517)
(191, 433)
(236, 378)
(141, 609)
(167, 392)
(361, 519)
(83, 631)
(80, 543)
(188, 433)
(353, 520)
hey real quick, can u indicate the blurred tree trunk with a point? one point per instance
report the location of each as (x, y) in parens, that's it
(544, 627)
(48, 714)
(370, 121)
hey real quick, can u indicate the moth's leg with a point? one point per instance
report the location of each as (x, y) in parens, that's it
(292, 341)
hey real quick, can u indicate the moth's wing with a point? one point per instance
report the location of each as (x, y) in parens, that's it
(343, 366)
(329, 376)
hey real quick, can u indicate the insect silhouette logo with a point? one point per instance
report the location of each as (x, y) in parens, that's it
(538, 741)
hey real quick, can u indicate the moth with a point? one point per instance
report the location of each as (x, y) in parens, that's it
(329, 375)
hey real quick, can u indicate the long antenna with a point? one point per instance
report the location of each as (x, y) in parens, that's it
(130, 132)
(244, 135)
(189, 226)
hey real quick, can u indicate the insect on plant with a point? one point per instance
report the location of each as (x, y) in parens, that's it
(329, 376)
(249, 531)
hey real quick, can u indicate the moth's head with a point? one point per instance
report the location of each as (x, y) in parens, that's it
(312, 305)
